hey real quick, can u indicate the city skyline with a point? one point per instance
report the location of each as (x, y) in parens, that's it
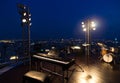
(61, 19)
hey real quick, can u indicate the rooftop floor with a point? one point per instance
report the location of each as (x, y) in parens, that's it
(93, 71)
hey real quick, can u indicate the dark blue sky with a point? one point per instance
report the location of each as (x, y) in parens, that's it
(54, 19)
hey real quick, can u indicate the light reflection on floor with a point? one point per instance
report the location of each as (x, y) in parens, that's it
(107, 66)
(96, 73)
(89, 75)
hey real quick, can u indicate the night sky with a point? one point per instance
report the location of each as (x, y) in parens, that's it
(55, 19)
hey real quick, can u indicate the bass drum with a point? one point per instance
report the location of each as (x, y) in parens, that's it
(108, 57)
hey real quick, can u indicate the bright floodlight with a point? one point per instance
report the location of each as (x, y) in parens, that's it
(93, 24)
(83, 26)
(30, 24)
(84, 29)
(94, 28)
(29, 14)
(82, 22)
(24, 14)
(29, 19)
(24, 20)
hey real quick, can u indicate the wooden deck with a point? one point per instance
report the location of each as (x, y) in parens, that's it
(95, 71)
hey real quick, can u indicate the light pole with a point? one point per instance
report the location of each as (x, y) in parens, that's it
(87, 27)
(24, 11)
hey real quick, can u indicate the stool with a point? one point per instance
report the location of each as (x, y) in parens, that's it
(36, 77)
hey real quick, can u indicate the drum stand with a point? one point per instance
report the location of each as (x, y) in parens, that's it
(101, 58)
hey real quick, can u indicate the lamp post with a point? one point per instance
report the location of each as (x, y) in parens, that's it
(87, 27)
(24, 11)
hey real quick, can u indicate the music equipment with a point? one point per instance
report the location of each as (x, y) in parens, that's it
(64, 63)
(108, 57)
(104, 51)
(108, 53)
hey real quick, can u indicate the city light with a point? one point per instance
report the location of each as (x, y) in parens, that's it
(13, 57)
(76, 47)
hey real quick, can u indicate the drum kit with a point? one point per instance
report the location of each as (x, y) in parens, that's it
(108, 54)
(108, 57)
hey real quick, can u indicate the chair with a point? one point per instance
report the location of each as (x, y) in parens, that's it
(36, 77)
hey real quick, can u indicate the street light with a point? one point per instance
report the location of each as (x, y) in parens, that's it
(25, 14)
(87, 27)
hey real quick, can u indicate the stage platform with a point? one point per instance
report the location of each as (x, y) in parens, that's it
(91, 71)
